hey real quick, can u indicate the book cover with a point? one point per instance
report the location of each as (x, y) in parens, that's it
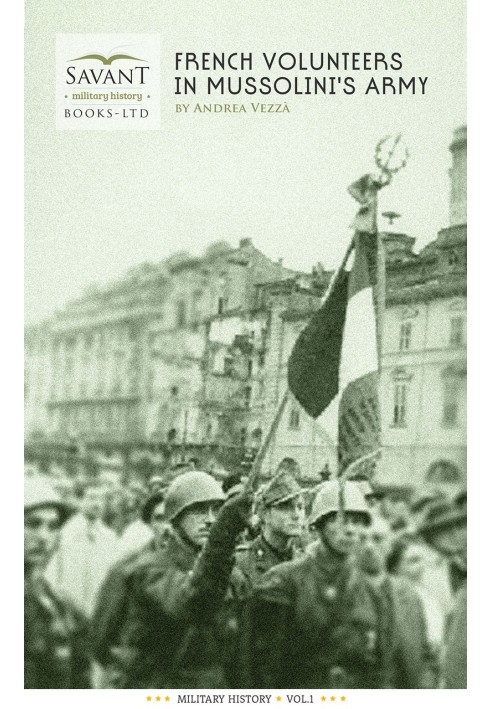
(245, 348)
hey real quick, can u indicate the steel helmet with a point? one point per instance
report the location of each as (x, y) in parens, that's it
(188, 489)
(327, 500)
(39, 492)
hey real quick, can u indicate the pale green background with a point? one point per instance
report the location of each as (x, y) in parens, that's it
(100, 202)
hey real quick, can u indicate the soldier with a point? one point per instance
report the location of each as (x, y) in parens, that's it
(281, 510)
(314, 620)
(158, 616)
(55, 652)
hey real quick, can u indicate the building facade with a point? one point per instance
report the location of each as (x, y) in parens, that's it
(124, 369)
(424, 363)
(189, 357)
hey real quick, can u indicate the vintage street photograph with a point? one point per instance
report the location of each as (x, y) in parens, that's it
(245, 373)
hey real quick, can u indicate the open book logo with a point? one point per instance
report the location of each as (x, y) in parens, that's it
(108, 60)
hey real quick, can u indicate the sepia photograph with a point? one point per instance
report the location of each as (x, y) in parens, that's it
(245, 348)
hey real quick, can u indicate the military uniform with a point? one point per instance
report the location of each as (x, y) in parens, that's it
(155, 618)
(173, 636)
(55, 641)
(327, 610)
(254, 559)
(260, 556)
(314, 620)
(111, 612)
(55, 634)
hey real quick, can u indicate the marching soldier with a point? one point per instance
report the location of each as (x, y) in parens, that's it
(158, 615)
(281, 510)
(111, 607)
(55, 645)
(314, 621)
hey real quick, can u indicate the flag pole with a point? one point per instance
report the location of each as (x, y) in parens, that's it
(369, 210)
(256, 465)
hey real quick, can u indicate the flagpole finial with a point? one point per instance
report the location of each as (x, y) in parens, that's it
(391, 155)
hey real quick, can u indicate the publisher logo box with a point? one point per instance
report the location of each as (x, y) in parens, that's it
(108, 81)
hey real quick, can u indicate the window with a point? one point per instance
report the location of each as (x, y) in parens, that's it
(222, 305)
(222, 293)
(450, 402)
(405, 336)
(250, 366)
(181, 313)
(196, 315)
(443, 471)
(456, 331)
(294, 420)
(228, 366)
(247, 396)
(400, 404)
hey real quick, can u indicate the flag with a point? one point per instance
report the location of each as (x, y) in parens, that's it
(335, 358)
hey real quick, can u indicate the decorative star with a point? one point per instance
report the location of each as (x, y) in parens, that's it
(343, 699)
(333, 699)
(157, 699)
(167, 699)
(278, 699)
(149, 699)
(323, 699)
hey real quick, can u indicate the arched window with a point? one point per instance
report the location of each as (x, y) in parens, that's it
(294, 418)
(405, 332)
(443, 471)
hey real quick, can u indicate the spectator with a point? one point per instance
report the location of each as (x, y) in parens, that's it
(87, 550)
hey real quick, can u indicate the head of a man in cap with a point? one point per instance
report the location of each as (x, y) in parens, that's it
(444, 528)
(375, 545)
(408, 558)
(44, 514)
(421, 502)
(281, 510)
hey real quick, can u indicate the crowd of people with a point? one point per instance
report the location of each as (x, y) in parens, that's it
(199, 584)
